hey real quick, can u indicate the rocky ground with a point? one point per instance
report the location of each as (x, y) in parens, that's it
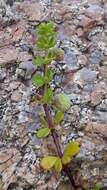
(82, 34)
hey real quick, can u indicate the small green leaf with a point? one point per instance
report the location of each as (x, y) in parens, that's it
(51, 42)
(48, 75)
(46, 28)
(58, 165)
(62, 102)
(66, 159)
(46, 35)
(48, 162)
(38, 61)
(51, 54)
(58, 117)
(43, 132)
(96, 187)
(71, 149)
(37, 80)
(47, 97)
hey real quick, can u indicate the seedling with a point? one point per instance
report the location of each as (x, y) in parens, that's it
(54, 104)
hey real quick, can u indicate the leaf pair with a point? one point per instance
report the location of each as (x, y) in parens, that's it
(38, 80)
(39, 61)
(57, 163)
(49, 162)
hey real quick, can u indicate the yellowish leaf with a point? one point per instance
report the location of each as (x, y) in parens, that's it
(58, 165)
(66, 159)
(71, 149)
(43, 132)
(48, 162)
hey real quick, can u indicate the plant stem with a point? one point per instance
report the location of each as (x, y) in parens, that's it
(66, 169)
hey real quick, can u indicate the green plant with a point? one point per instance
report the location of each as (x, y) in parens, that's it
(96, 187)
(54, 104)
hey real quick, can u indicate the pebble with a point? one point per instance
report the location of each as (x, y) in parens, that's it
(16, 96)
(8, 55)
(95, 57)
(71, 60)
(85, 76)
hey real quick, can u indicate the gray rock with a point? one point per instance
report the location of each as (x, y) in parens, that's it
(2, 75)
(71, 60)
(100, 116)
(95, 57)
(6, 15)
(85, 76)
(27, 69)
(16, 96)
(102, 106)
(95, 12)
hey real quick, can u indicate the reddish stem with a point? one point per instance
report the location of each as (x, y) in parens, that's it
(66, 169)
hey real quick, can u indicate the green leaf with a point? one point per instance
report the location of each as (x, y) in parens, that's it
(37, 80)
(38, 61)
(71, 149)
(96, 187)
(47, 97)
(58, 117)
(48, 162)
(62, 102)
(43, 132)
(42, 43)
(51, 42)
(51, 54)
(46, 28)
(48, 75)
(58, 165)
(66, 159)
(46, 35)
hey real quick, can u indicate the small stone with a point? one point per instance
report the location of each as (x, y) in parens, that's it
(59, 54)
(32, 10)
(81, 134)
(18, 30)
(24, 56)
(85, 22)
(71, 60)
(99, 128)
(95, 12)
(2, 75)
(80, 32)
(97, 94)
(13, 85)
(22, 117)
(100, 116)
(103, 72)
(28, 67)
(82, 60)
(8, 55)
(85, 76)
(16, 96)
(95, 57)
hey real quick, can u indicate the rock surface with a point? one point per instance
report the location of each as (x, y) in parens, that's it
(82, 32)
